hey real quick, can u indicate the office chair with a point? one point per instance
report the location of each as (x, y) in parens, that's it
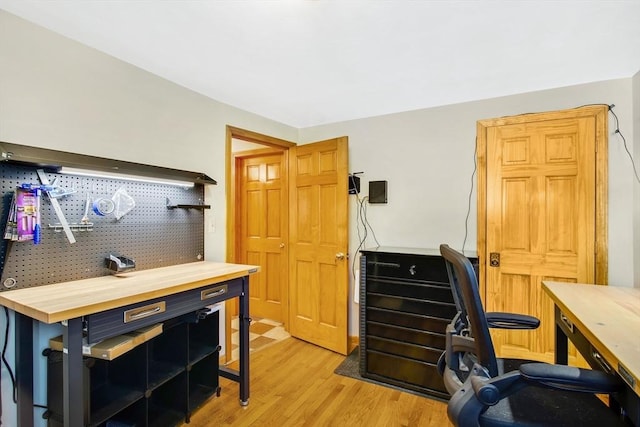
(534, 394)
(457, 360)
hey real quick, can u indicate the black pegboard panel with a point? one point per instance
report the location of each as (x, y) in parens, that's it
(151, 234)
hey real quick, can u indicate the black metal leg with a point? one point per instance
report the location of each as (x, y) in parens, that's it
(562, 343)
(24, 369)
(244, 321)
(72, 367)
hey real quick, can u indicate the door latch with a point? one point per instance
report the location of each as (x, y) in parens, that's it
(494, 259)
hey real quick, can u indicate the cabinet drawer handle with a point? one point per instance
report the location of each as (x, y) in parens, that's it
(384, 264)
(213, 293)
(142, 312)
(603, 363)
(566, 321)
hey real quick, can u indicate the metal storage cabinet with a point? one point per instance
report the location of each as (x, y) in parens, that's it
(405, 306)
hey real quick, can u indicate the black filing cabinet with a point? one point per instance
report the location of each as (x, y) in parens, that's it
(405, 306)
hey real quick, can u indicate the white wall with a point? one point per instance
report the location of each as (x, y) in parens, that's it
(636, 185)
(428, 158)
(56, 93)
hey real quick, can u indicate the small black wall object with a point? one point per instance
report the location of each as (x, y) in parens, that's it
(354, 184)
(377, 191)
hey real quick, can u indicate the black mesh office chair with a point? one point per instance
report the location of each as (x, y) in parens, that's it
(534, 394)
(458, 359)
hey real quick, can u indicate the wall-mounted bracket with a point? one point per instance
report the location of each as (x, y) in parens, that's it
(171, 205)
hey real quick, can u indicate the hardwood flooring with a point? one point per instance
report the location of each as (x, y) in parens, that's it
(293, 384)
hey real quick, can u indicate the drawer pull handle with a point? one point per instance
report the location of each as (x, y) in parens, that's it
(142, 312)
(213, 293)
(384, 264)
(603, 363)
(566, 321)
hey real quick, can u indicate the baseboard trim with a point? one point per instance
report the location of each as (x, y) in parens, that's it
(353, 343)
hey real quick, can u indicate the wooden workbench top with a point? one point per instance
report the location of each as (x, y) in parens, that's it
(68, 300)
(608, 316)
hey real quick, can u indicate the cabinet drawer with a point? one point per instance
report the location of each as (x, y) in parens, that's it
(128, 318)
(403, 349)
(422, 374)
(408, 335)
(423, 291)
(425, 308)
(407, 320)
(403, 266)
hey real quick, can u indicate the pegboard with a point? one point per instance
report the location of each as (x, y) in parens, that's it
(151, 234)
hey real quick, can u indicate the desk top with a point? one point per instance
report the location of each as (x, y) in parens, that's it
(68, 300)
(608, 316)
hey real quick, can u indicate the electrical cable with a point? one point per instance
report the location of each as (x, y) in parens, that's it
(361, 221)
(624, 141)
(473, 174)
(362, 238)
(4, 359)
(366, 221)
(617, 130)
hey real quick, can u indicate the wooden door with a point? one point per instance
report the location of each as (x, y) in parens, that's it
(318, 264)
(542, 215)
(263, 208)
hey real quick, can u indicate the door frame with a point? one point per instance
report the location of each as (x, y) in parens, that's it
(232, 133)
(601, 246)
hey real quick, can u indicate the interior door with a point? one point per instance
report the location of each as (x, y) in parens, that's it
(263, 208)
(543, 220)
(318, 266)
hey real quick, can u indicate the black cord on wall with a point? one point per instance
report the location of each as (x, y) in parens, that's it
(361, 220)
(624, 141)
(473, 174)
(475, 164)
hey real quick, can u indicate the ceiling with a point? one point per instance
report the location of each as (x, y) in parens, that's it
(310, 62)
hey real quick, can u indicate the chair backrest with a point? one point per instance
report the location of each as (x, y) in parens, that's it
(468, 297)
(455, 290)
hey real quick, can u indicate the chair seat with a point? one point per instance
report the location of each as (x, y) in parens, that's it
(537, 406)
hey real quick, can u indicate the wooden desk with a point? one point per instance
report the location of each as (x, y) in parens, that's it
(73, 303)
(603, 322)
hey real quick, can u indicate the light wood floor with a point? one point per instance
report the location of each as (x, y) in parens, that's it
(293, 384)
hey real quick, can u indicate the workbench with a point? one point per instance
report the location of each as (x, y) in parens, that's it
(111, 305)
(603, 322)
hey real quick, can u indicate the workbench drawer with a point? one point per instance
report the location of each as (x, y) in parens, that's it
(131, 317)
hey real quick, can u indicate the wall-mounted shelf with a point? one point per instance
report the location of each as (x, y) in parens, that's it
(55, 160)
(171, 205)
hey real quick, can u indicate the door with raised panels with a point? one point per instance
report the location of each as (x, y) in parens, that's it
(318, 264)
(543, 186)
(263, 206)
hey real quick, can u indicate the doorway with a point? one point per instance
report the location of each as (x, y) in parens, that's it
(256, 177)
(309, 234)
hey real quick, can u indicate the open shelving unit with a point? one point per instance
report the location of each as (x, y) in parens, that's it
(158, 383)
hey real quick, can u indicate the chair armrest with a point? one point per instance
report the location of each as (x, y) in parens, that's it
(570, 378)
(511, 321)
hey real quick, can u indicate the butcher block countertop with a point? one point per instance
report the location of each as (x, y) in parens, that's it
(62, 301)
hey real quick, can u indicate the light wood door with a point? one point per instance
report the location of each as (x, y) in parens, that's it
(263, 206)
(544, 216)
(319, 243)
